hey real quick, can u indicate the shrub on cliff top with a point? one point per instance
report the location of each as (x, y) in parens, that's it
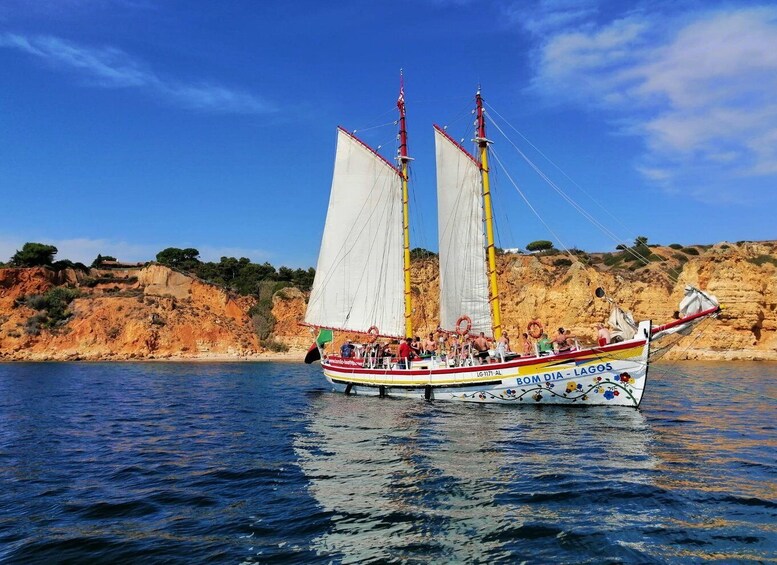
(184, 259)
(421, 253)
(34, 255)
(540, 245)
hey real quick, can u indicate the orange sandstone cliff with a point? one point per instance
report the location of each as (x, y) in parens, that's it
(742, 276)
(157, 313)
(152, 313)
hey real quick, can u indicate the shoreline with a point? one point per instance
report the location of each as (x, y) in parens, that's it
(288, 357)
(294, 356)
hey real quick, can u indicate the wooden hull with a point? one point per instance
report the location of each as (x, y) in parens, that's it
(610, 375)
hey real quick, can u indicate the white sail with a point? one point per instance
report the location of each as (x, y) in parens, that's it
(463, 281)
(359, 276)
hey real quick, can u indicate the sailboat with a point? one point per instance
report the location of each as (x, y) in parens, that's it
(362, 286)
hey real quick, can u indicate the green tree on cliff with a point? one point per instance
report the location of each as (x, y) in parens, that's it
(97, 263)
(184, 259)
(540, 245)
(34, 255)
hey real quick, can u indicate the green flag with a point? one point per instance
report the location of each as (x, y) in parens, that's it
(324, 336)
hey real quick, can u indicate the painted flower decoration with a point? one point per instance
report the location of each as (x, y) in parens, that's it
(571, 385)
(625, 378)
(549, 385)
(537, 396)
(585, 397)
(598, 379)
(579, 387)
(609, 395)
(599, 390)
(615, 392)
(481, 396)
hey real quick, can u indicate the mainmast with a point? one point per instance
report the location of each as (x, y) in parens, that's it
(403, 168)
(483, 142)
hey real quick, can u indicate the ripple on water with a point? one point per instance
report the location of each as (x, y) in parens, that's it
(177, 463)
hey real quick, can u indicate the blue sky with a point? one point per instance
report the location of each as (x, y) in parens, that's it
(127, 126)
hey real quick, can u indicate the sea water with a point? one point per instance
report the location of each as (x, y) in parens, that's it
(255, 462)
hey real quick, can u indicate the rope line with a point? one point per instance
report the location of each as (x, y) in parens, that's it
(582, 211)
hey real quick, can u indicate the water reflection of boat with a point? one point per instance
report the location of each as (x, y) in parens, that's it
(400, 478)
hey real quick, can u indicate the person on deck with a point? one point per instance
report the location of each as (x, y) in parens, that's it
(406, 353)
(603, 335)
(563, 340)
(544, 345)
(346, 351)
(528, 348)
(430, 346)
(481, 346)
(502, 346)
(416, 346)
(441, 341)
(465, 350)
(453, 346)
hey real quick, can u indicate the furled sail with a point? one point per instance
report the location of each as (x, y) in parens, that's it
(695, 307)
(359, 275)
(463, 281)
(696, 301)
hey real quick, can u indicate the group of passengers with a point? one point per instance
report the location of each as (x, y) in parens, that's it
(468, 349)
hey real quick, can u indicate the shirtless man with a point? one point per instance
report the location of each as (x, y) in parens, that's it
(481, 346)
(429, 345)
(562, 339)
(528, 348)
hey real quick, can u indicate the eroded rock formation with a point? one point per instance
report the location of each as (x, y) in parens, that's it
(155, 312)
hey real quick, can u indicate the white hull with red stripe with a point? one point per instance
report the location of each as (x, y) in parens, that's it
(610, 375)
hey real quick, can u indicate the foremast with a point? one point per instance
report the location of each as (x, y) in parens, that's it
(482, 141)
(404, 161)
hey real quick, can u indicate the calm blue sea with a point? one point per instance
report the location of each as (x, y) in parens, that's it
(242, 463)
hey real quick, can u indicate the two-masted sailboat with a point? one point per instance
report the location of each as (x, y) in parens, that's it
(362, 285)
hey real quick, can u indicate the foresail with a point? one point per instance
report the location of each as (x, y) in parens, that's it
(463, 281)
(359, 275)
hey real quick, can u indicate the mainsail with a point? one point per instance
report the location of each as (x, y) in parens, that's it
(463, 281)
(359, 276)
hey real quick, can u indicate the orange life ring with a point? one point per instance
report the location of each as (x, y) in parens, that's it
(535, 329)
(465, 331)
(373, 333)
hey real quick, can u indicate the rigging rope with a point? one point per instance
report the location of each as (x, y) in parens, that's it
(529, 204)
(674, 277)
(375, 127)
(605, 210)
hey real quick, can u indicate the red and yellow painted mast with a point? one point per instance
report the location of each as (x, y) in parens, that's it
(482, 141)
(404, 161)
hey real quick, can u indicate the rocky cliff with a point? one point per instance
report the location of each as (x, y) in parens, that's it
(742, 276)
(154, 312)
(151, 313)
